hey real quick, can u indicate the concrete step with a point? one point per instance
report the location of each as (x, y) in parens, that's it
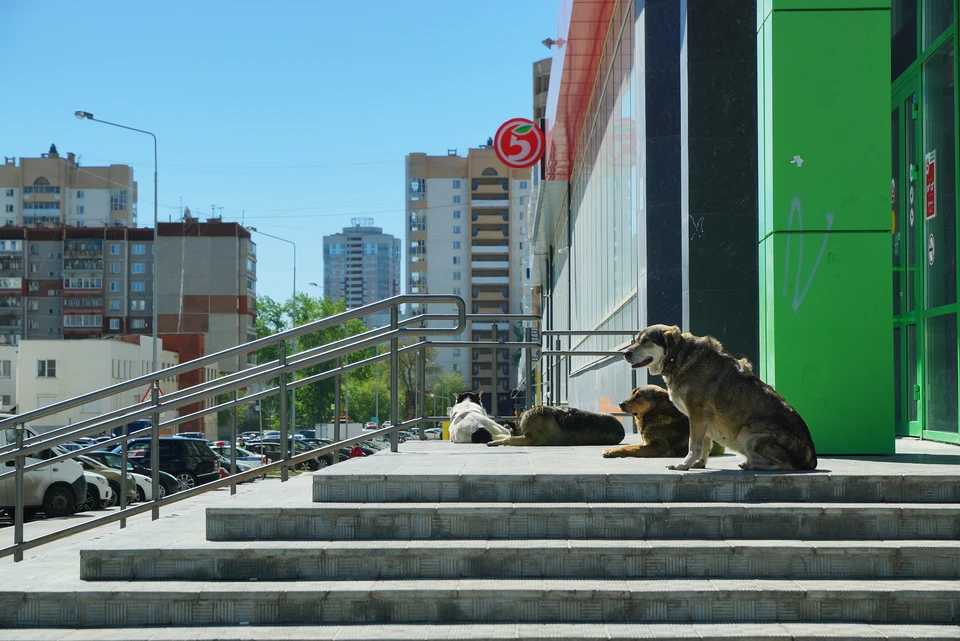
(393, 560)
(420, 521)
(507, 632)
(351, 485)
(75, 603)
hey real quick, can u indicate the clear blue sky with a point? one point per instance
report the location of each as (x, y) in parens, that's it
(298, 113)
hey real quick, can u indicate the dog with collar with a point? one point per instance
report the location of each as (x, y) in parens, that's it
(725, 401)
(469, 422)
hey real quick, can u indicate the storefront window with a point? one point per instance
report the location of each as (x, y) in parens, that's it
(938, 179)
(937, 18)
(903, 40)
(940, 397)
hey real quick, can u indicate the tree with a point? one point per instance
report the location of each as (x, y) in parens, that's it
(445, 386)
(409, 375)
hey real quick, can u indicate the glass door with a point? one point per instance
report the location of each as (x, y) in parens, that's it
(906, 222)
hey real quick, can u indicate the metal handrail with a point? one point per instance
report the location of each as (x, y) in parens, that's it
(278, 369)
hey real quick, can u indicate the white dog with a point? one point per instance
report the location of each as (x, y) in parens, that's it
(469, 422)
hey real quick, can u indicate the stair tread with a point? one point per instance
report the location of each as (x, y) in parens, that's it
(499, 631)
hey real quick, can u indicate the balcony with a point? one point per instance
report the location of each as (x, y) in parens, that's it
(82, 265)
(11, 267)
(489, 249)
(489, 264)
(490, 204)
(490, 280)
(489, 185)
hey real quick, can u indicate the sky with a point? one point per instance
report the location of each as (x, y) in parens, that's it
(289, 116)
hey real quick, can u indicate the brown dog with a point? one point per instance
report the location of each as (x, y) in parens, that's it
(665, 430)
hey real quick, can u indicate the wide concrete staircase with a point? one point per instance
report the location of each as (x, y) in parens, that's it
(481, 549)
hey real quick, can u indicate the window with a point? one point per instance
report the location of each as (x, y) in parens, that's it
(47, 368)
(114, 249)
(80, 223)
(114, 268)
(79, 193)
(521, 200)
(114, 286)
(83, 283)
(33, 324)
(456, 260)
(33, 305)
(456, 213)
(138, 249)
(9, 209)
(83, 321)
(456, 351)
(138, 323)
(5, 369)
(138, 305)
(456, 199)
(114, 305)
(456, 275)
(456, 244)
(114, 323)
(34, 268)
(523, 184)
(9, 193)
(456, 291)
(79, 209)
(456, 229)
(456, 184)
(138, 286)
(5, 399)
(138, 268)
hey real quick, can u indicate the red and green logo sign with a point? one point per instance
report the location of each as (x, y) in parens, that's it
(519, 143)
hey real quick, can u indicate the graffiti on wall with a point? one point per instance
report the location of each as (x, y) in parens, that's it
(796, 212)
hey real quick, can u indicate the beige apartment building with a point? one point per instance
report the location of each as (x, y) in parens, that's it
(464, 234)
(55, 191)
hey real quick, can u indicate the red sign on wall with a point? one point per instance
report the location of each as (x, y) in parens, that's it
(930, 182)
(519, 143)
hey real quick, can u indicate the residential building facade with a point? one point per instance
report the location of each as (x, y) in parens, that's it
(361, 265)
(466, 219)
(54, 191)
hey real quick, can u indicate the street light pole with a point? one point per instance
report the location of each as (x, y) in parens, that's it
(86, 115)
(293, 322)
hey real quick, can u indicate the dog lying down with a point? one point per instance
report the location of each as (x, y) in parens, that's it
(665, 430)
(547, 425)
(725, 401)
(469, 422)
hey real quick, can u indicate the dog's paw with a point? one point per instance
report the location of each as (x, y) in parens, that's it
(679, 466)
(699, 465)
(610, 454)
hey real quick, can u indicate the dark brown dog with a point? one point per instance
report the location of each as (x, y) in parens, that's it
(665, 430)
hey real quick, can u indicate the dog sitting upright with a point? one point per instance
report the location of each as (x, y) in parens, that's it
(547, 425)
(665, 430)
(469, 422)
(725, 401)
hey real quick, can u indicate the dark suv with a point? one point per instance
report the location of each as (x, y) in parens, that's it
(190, 460)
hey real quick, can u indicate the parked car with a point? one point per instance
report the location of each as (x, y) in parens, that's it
(99, 495)
(190, 460)
(197, 435)
(113, 478)
(168, 482)
(272, 451)
(242, 466)
(55, 489)
(243, 455)
(370, 425)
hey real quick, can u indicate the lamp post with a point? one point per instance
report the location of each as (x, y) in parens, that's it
(86, 115)
(293, 321)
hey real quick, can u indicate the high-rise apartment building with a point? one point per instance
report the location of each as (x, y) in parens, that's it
(81, 282)
(52, 191)
(361, 265)
(465, 216)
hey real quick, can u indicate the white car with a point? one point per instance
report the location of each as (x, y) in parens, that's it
(144, 487)
(243, 455)
(99, 495)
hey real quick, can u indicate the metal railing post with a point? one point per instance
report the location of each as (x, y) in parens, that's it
(155, 448)
(556, 393)
(18, 516)
(123, 466)
(394, 379)
(336, 402)
(422, 385)
(233, 441)
(284, 445)
(495, 396)
(528, 395)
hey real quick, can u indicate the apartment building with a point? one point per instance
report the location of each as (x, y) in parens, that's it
(361, 265)
(52, 191)
(88, 282)
(464, 237)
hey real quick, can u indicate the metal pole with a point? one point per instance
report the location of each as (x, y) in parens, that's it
(18, 500)
(123, 466)
(155, 448)
(282, 347)
(233, 441)
(559, 379)
(336, 403)
(156, 268)
(293, 323)
(394, 378)
(528, 396)
(495, 399)
(376, 411)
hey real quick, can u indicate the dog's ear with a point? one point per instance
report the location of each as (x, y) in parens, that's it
(479, 396)
(671, 337)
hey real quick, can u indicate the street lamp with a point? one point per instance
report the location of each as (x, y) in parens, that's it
(293, 320)
(86, 115)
